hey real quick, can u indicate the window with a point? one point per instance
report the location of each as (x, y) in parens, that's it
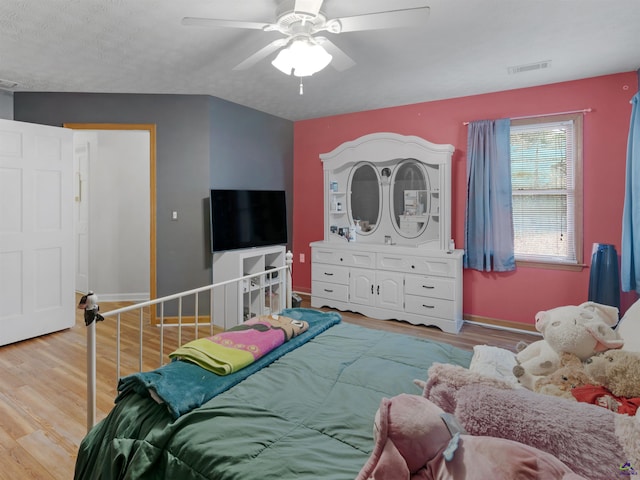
(546, 179)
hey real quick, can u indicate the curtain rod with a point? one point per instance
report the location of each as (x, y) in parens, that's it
(585, 110)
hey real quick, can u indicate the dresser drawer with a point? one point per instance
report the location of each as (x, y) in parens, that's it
(433, 307)
(411, 264)
(331, 291)
(323, 272)
(350, 258)
(436, 287)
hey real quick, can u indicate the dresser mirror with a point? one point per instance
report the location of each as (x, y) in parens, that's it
(411, 199)
(365, 199)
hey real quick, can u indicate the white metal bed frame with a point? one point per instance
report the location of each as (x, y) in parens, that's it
(284, 281)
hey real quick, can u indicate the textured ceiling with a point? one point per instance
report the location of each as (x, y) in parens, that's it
(465, 48)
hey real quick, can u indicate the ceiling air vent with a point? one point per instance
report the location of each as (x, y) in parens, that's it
(529, 67)
(8, 84)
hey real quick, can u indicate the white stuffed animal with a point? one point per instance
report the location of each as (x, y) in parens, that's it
(629, 328)
(583, 330)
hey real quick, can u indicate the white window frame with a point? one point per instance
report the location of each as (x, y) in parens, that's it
(575, 198)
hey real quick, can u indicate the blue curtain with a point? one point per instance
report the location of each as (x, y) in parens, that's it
(489, 220)
(631, 213)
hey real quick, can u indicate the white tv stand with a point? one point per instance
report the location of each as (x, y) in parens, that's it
(261, 296)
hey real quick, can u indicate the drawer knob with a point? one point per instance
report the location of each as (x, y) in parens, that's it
(428, 306)
(328, 274)
(428, 286)
(413, 266)
(328, 290)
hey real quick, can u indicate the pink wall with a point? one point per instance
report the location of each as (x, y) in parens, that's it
(514, 296)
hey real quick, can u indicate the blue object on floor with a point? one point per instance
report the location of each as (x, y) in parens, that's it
(604, 279)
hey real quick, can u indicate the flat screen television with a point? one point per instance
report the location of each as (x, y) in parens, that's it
(247, 218)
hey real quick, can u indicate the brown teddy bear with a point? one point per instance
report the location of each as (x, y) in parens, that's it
(571, 374)
(617, 370)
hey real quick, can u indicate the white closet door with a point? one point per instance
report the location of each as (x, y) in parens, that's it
(37, 260)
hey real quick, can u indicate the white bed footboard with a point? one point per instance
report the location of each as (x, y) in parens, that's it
(167, 314)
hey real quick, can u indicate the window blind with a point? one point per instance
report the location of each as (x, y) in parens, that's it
(543, 187)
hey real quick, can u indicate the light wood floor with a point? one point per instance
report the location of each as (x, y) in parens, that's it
(43, 385)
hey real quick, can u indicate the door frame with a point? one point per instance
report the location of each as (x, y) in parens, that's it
(151, 128)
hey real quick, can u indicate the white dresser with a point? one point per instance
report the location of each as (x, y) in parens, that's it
(389, 282)
(387, 249)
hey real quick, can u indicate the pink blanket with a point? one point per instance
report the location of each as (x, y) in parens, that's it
(260, 335)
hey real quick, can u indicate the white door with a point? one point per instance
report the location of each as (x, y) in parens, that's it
(81, 151)
(37, 260)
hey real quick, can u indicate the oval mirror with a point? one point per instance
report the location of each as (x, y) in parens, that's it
(364, 197)
(410, 199)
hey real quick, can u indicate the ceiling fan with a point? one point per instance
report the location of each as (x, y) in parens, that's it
(302, 51)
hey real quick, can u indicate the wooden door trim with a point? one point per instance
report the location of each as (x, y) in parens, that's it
(151, 128)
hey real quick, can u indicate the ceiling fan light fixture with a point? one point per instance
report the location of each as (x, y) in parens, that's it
(302, 58)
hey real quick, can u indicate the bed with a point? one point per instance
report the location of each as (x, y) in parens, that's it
(304, 411)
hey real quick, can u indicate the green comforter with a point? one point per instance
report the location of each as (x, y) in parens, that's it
(308, 415)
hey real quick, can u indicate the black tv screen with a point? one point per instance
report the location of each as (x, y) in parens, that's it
(247, 218)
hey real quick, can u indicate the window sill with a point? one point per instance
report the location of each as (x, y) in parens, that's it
(572, 267)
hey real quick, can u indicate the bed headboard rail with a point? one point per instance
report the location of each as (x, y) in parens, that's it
(179, 326)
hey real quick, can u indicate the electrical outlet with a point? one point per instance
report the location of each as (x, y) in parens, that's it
(174, 215)
(302, 258)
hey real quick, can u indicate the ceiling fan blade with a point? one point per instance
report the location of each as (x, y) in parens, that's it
(410, 17)
(308, 7)
(260, 54)
(216, 22)
(340, 61)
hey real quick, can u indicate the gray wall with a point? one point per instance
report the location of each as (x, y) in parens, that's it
(6, 105)
(251, 150)
(198, 138)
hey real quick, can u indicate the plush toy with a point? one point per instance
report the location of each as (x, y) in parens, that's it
(416, 440)
(560, 383)
(629, 328)
(582, 330)
(616, 370)
(89, 303)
